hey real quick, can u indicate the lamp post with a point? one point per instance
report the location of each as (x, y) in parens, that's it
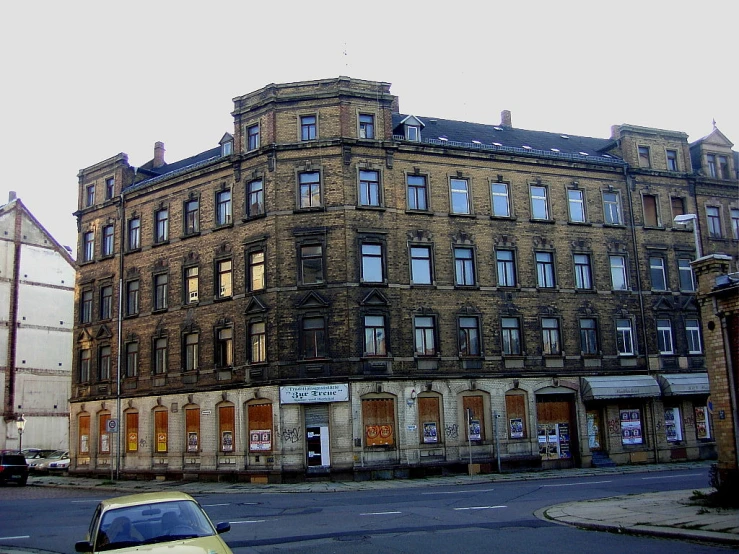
(684, 219)
(21, 425)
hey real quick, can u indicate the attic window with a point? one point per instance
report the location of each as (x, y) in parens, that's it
(555, 149)
(476, 142)
(564, 136)
(497, 144)
(584, 154)
(227, 148)
(413, 132)
(498, 128)
(606, 155)
(526, 146)
(443, 138)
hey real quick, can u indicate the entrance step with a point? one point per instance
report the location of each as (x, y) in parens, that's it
(601, 459)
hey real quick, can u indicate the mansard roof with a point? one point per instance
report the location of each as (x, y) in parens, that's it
(148, 175)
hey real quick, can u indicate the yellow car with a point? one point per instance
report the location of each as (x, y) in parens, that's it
(153, 522)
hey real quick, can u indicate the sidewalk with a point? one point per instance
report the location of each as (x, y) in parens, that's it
(668, 514)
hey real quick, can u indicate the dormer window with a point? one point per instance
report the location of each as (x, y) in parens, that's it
(227, 148)
(413, 132)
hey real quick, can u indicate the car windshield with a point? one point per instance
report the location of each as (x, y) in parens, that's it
(152, 523)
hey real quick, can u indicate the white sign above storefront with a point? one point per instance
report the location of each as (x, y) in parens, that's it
(309, 394)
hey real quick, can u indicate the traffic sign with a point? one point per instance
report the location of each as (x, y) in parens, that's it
(112, 425)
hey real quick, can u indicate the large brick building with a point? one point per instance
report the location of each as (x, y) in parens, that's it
(341, 287)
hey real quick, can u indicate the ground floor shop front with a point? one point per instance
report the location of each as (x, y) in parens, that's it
(383, 429)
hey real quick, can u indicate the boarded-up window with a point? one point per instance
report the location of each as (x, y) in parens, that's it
(428, 416)
(379, 421)
(226, 428)
(650, 211)
(552, 411)
(192, 428)
(515, 406)
(161, 430)
(104, 445)
(260, 427)
(132, 431)
(474, 414)
(84, 433)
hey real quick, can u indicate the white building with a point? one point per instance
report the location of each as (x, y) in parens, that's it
(36, 322)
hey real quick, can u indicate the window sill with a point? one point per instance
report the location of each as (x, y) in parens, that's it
(580, 223)
(469, 216)
(107, 257)
(222, 298)
(223, 226)
(309, 209)
(190, 235)
(653, 228)
(159, 310)
(373, 283)
(133, 250)
(249, 217)
(160, 243)
(419, 212)
(547, 221)
(466, 287)
(423, 285)
(87, 262)
(130, 316)
(503, 217)
(370, 208)
(615, 225)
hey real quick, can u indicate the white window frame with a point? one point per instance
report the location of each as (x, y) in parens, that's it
(456, 191)
(621, 269)
(657, 268)
(665, 344)
(693, 336)
(501, 190)
(625, 336)
(685, 273)
(578, 201)
(539, 199)
(612, 207)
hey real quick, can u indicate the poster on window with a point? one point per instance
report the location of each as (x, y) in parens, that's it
(673, 432)
(702, 429)
(227, 441)
(563, 438)
(133, 441)
(475, 430)
(192, 441)
(631, 432)
(85, 444)
(516, 425)
(260, 440)
(161, 442)
(105, 442)
(430, 432)
(593, 430)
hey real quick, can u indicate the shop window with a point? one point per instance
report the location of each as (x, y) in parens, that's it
(673, 425)
(260, 427)
(702, 423)
(104, 446)
(553, 414)
(132, 431)
(161, 430)
(428, 416)
(515, 407)
(631, 426)
(192, 428)
(226, 429)
(378, 418)
(474, 414)
(83, 424)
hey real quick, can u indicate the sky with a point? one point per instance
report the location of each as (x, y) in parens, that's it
(85, 80)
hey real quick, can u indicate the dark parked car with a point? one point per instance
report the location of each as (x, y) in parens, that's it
(13, 468)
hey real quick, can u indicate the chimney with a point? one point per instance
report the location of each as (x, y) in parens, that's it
(505, 118)
(159, 155)
(11, 196)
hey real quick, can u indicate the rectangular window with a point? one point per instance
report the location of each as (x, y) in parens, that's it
(631, 427)
(227, 148)
(109, 188)
(134, 234)
(84, 365)
(106, 302)
(723, 167)
(366, 126)
(161, 285)
(460, 196)
(539, 202)
(651, 214)
(711, 162)
(314, 338)
(372, 263)
(657, 273)
(223, 207)
(310, 189)
(644, 157)
(255, 198)
(108, 234)
(515, 408)
(511, 336)
(428, 415)
(545, 270)
(576, 204)
(417, 192)
(191, 285)
(588, 337)
(224, 347)
(192, 428)
(88, 246)
(611, 208)
(191, 352)
(421, 270)
(687, 278)
(550, 337)
(464, 267)
(735, 223)
(664, 336)
(225, 279)
(89, 195)
(469, 336)
(132, 297)
(501, 200)
(84, 431)
(673, 425)
(307, 127)
(693, 334)
(257, 342)
(624, 337)
(506, 267)
(713, 217)
(619, 280)
(374, 336)
(256, 270)
(252, 140)
(678, 206)
(132, 359)
(104, 436)
(378, 417)
(425, 335)
(311, 264)
(161, 431)
(671, 160)
(132, 432)
(192, 217)
(369, 188)
(86, 307)
(702, 423)
(413, 133)
(583, 272)
(160, 356)
(161, 234)
(260, 427)
(474, 412)
(104, 358)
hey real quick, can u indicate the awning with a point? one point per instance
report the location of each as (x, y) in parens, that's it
(674, 384)
(619, 386)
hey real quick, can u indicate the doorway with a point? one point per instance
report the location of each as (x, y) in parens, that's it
(318, 456)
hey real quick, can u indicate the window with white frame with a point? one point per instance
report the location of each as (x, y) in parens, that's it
(501, 200)
(421, 265)
(413, 133)
(583, 272)
(256, 270)
(693, 336)
(664, 337)
(374, 335)
(576, 205)
(469, 336)
(310, 189)
(657, 273)
(685, 272)
(619, 278)
(460, 196)
(366, 126)
(539, 202)
(417, 190)
(625, 337)
(369, 188)
(425, 335)
(372, 263)
(506, 267)
(192, 291)
(464, 266)
(612, 208)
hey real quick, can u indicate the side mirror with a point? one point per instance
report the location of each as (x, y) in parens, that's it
(222, 527)
(82, 546)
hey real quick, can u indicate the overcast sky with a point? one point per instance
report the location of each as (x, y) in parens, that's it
(83, 81)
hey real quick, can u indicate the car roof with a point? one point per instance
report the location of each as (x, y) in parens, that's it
(144, 498)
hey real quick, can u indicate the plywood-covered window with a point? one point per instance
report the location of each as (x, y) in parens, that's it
(379, 421)
(84, 433)
(428, 417)
(132, 431)
(226, 428)
(161, 430)
(192, 428)
(474, 413)
(104, 436)
(515, 407)
(260, 427)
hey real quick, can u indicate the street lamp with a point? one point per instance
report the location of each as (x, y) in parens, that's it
(684, 219)
(21, 424)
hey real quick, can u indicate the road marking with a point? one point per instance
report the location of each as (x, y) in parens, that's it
(247, 521)
(474, 491)
(83, 501)
(481, 508)
(379, 513)
(577, 484)
(668, 477)
(211, 505)
(14, 538)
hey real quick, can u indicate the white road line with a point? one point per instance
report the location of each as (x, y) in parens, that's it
(473, 491)
(667, 477)
(211, 505)
(481, 508)
(247, 521)
(14, 538)
(379, 513)
(577, 484)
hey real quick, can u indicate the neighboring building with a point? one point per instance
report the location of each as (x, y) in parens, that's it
(339, 287)
(36, 311)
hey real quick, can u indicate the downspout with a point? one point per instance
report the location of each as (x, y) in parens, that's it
(13, 323)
